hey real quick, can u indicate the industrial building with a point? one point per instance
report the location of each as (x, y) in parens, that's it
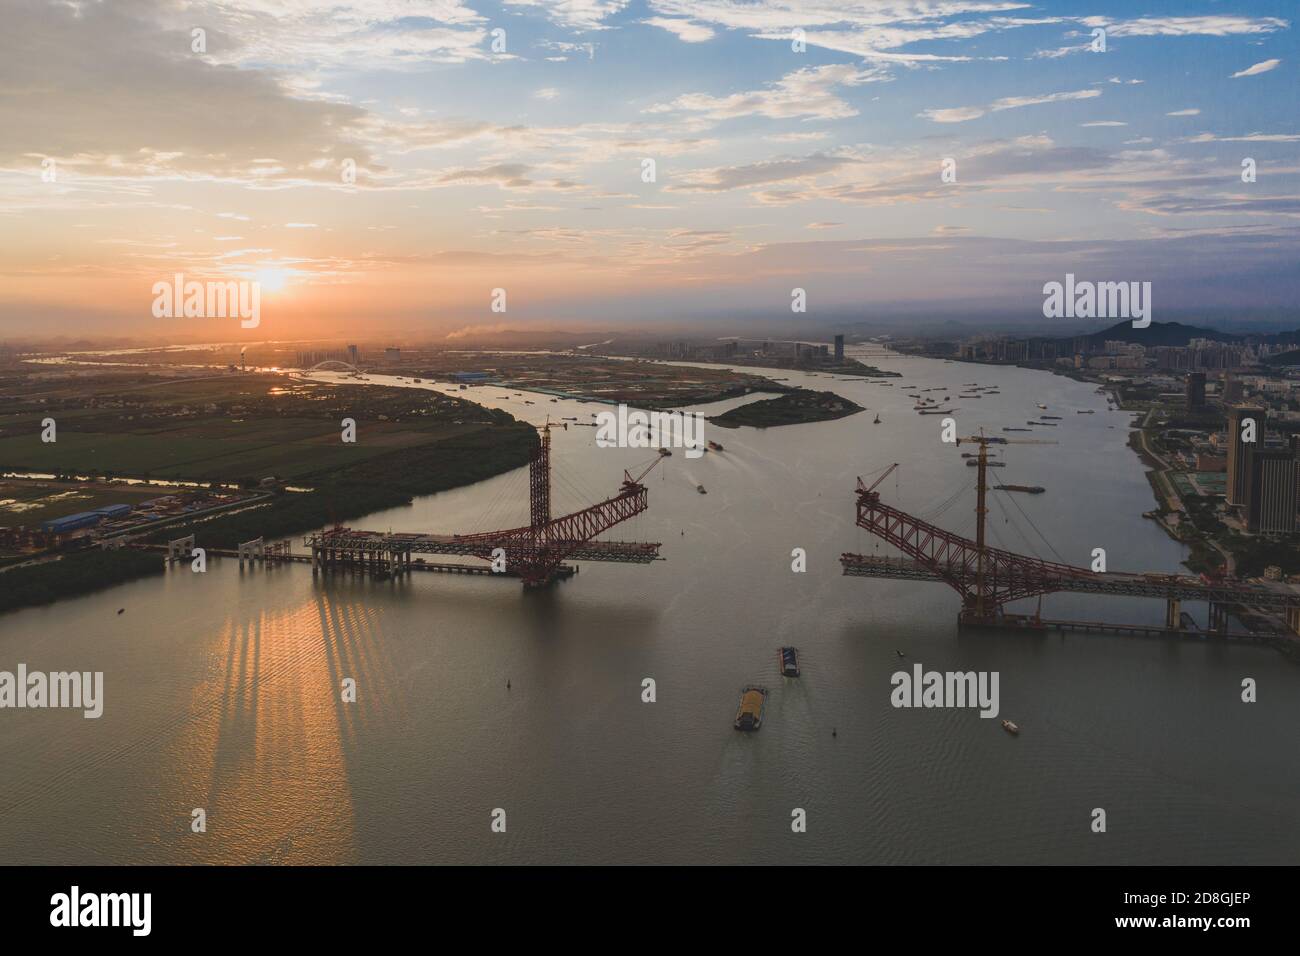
(84, 519)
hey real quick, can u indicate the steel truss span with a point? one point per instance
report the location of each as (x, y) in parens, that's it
(989, 578)
(534, 552)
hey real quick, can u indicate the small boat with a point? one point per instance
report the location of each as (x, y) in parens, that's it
(1017, 429)
(1010, 728)
(749, 716)
(665, 453)
(1040, 405)
(788, 658)
(418, 381)
(716, 447)
(121, 610)
(1089, 411)
(899, 653)
(1048, 424)
(700, 489)
(877, 421)
(1052, 417)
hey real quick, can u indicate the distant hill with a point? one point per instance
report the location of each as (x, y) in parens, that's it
(1162, 333)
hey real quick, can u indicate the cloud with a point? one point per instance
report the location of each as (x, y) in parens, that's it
(1214, 26)
(808, 93)
(546, 93)
(687, 31)
(575, 14)
(1103, 123)
(763, 173)
(1187, 112)
(143, 106)
(1262, 67)
(963, 114)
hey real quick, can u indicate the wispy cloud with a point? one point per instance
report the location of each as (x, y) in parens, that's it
(1263, 66)
(963, 114)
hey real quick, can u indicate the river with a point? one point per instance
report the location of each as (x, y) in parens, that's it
(222, 690)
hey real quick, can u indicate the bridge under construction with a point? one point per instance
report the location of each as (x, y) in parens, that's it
(987, 578)
(535, 552)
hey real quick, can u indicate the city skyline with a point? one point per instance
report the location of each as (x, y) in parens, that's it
(515, 160)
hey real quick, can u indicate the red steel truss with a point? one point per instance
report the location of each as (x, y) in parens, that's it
(534, 552)
(956, 560)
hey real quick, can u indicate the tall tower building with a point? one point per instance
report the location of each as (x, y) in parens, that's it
(1195, 391)
(1239, 451)
(1270, 491)
(839, 348)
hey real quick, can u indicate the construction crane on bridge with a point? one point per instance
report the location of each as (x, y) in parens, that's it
(982, 605)
(988, 578)
(534, 552)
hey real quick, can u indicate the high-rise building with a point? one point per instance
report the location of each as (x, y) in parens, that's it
(1239, 450)
(354, 354)
(839, 348)
(1195, 391)
(1271, 490)
(1231, 389)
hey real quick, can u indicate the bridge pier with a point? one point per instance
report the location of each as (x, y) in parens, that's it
(1173, 613)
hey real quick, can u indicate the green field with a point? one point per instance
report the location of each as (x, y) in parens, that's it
(287, 449)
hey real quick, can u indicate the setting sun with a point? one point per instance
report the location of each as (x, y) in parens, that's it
(271, 280)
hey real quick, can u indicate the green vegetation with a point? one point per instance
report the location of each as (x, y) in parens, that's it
(374, 484)
(242, 428)
(229, 428)
(75, 574)
(801, 405)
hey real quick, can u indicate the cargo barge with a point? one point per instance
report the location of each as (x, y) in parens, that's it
(753, 700)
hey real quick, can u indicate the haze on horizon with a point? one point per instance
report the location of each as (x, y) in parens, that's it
(521, 168)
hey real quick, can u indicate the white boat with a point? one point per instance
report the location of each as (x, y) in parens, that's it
(1010, 727)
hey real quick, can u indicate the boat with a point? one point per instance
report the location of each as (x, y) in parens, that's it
(1027, 489)
(1010, 728)
(1040, 405)
(877, 421)
(664, 453)
(788, 658)
(749, 716)
(716, 447)
(1087, 411)
(700, 489)
(1052, 417)
(1017, 429)
(418, 381)
(1048, 424)
(936, 411)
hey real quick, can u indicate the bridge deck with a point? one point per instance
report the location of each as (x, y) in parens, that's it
(375, 542)
(1169, 587)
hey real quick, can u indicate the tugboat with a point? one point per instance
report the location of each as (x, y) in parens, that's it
(700, 489)
(1010, 728)
(788, 658)
(716, 447)
(749, 716)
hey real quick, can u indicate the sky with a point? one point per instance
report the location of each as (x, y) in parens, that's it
(388, 165)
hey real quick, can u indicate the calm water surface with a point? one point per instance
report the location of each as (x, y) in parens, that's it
(222, 690)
